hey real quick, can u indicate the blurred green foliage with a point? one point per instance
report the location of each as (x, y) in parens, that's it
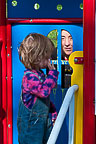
(53, 36)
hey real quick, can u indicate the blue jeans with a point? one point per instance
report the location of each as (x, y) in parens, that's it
(33, 125)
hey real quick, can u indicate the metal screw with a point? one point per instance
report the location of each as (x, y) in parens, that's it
(9, 125)
(75, 60)
(31, 20)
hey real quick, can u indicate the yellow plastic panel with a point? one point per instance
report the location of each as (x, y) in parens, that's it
(77, 78)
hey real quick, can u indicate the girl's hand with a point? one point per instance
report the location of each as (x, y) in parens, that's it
(53, 121)
(51, 66)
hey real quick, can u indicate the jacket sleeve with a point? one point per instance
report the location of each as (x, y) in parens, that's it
(43, 89)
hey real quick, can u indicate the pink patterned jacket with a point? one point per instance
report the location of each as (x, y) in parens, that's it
(35, 84)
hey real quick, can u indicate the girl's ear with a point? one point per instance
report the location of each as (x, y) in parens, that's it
(38, 59)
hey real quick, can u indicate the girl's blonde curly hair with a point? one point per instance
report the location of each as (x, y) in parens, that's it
(33, 49)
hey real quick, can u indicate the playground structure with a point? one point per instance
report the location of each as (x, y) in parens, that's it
(84, 118)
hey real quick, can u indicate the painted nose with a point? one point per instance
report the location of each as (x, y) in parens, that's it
(67, 43)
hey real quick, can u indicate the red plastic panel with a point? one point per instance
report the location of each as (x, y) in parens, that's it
(59, 20)
(3, 99)
(78, 60)
(89, 71)
(9, 84)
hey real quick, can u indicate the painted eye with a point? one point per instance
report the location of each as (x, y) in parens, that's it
(63, 37)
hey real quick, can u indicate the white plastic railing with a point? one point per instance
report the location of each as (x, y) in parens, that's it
(61, 115)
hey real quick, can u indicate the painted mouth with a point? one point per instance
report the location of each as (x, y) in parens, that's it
(68, 49)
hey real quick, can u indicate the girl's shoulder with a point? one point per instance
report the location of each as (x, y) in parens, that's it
(32, 73)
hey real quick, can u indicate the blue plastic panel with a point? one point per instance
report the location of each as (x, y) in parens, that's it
(19, 32)
(47, 9)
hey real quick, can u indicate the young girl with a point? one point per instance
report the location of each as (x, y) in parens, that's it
(33, 123)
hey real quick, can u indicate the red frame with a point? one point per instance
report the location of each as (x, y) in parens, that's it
(54, 21)
(9, 85)
(9, 62)
(89, 69)
(89, 72)
(3, 85)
